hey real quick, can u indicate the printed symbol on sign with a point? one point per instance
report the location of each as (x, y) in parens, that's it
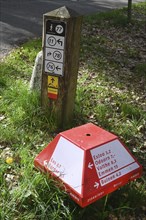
(51, 27)
(51, 41)
(49, 54)
(58, 68)
(53, 82)
(90, 165)
(50, 66)
(60, 42)
(57, 55)
(96, 185)
(45, 162)
(59, 29)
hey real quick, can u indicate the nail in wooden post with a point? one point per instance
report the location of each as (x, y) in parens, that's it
(61, 46)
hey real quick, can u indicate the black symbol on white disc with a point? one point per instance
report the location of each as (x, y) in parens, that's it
(59, 29)
(50, 66)
(51, 41)
(57, 55)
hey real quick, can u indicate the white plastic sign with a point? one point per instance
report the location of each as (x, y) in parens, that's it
(54, 47)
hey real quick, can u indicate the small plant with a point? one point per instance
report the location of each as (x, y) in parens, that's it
(140, 69)
(130, 111)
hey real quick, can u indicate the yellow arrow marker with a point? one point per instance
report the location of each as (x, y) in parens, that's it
(53, 82)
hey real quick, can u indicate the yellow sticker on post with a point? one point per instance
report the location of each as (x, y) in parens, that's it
(53, 87)
(53, 82)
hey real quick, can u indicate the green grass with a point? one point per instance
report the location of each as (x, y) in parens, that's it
(115, 18)
(110, 93)
(140, 69)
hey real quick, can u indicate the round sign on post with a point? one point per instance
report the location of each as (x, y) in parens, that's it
(59, 29)
(51, 41)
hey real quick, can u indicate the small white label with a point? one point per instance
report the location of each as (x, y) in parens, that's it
(67, 163)
(110, 157)
(53, 67)
(54, 41)
(118, 174)
(54, 55)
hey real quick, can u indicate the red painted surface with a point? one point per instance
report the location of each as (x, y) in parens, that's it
(103, 171)
(52, 96)
(88, 136)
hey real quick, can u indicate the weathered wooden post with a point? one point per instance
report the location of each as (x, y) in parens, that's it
(61, 46)
(129, 12)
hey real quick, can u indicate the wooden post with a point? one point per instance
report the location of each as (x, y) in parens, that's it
(129, 13)
(61, 46)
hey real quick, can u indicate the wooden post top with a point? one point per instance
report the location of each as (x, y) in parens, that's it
(63, 12)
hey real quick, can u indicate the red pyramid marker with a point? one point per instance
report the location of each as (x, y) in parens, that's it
(90, 162)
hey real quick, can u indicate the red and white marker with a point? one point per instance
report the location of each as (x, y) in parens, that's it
(90, 162)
